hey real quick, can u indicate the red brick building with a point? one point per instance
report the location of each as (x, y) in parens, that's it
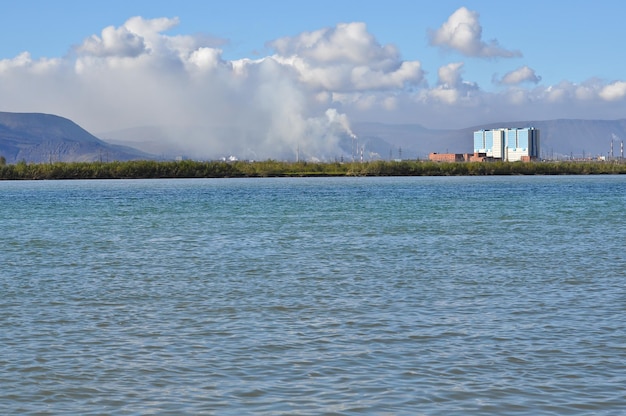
(457, 157)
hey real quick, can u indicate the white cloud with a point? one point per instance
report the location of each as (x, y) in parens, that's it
(346, 58)
(614, 91)
(451, 88)
(206, 58)
(446, 95)
(301, 97)
(149, 28)
(364, 78)
(450, 75)
(24, 62)
(520, 75)
(346, 43)
(517, 97)
(20, 61)
(114, 42)
(585, 92)
(462, 32)
(591, 92)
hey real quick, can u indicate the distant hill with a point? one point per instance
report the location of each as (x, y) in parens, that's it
(559, 138)
(36, 137)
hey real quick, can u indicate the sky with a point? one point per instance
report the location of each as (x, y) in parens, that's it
(266, 77)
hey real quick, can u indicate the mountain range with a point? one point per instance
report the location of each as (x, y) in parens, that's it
(39, 138)
(559, 139)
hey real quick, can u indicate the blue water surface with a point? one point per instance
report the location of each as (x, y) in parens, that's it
(420, 295)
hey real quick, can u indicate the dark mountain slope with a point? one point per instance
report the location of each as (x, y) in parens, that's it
(35, 137)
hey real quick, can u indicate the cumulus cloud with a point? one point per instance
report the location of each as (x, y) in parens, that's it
(137, 75)
(451, 88)
(462, 32)
(298, 100)
(24, 62)
(450, 75)
(114, 42)
(346, 43)
(614, 91)
(346, 58)
(588, 92)
(519, 75)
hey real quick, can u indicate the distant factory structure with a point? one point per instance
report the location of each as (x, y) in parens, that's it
(502, 144)
(508, 144)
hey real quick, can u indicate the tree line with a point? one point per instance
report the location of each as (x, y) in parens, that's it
(145, 169)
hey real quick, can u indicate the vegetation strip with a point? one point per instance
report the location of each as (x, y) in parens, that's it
(142, 169)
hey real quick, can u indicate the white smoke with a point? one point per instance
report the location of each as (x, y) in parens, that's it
(135, 76)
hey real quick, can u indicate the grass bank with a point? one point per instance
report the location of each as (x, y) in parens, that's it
(143, 169)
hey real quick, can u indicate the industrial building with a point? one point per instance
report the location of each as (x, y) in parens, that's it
(456, 157)
(508, 144)
(504, 144)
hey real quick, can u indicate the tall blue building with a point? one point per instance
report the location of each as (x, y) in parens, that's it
(508, 144)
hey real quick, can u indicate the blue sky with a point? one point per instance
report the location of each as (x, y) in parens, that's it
(284, 68)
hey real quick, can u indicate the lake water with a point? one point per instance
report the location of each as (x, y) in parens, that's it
(421, 295)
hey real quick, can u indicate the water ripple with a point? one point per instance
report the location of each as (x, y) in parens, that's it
(313, 296)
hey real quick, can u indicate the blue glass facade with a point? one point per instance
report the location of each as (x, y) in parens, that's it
(511, 139)
(511, 143)
(489, 140)
(479, 140)
(522, 138)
